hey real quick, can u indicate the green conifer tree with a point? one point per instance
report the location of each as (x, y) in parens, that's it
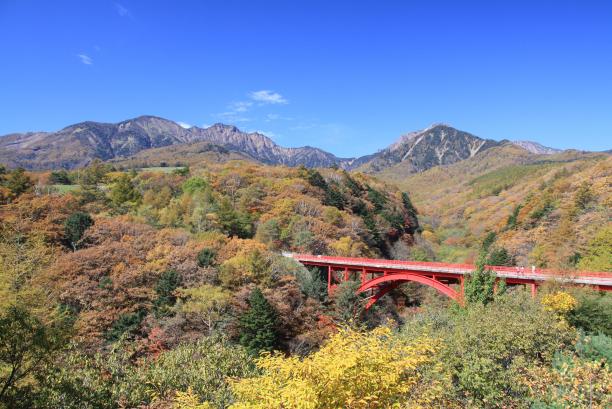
(258, 324)
(166, 285)
(412, 213)
(480, 285)
(206, 257)
(75, 226)
(18, 182)
(349, 304)
(123, 194)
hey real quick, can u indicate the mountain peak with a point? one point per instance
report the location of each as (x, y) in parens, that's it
(220, 125)
(535, 147)
(439, 126)
(438, 144)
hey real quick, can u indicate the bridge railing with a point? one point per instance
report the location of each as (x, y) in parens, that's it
(459, 268)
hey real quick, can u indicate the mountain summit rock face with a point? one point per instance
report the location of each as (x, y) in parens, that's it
(422, 150)
(79, 144)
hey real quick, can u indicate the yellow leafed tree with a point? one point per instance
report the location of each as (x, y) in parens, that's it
(353, 369)
(559, 302)
(189, 400)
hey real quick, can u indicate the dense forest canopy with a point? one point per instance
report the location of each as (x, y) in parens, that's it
(166, 287)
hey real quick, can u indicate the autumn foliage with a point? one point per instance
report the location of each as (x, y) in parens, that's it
(353, 369)
(163, 289)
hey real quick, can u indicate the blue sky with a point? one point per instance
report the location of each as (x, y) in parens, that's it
(349, 77)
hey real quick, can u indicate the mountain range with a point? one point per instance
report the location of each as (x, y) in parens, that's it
(146, 136)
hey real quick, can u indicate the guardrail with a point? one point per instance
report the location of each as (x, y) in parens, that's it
(584, 277)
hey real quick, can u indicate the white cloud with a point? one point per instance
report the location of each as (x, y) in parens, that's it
(232, 116)
(121, 10)
(184, 125)
(85, 59)
(277, 117)
(268, 97)
(241, 106)
(237, 111)
(304, 126)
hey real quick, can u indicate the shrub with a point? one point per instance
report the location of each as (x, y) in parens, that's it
(571, 382)
(499, 257)
(488, 348)
(194, 184)
(125, 324)
(206, 257)
(60, 177)
(594, 347)
(547, 207)
(202, 368)
(592, 313)
(583, 196)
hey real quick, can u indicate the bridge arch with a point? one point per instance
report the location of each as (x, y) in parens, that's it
(394, 280)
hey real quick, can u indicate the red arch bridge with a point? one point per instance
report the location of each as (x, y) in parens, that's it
(378, 276)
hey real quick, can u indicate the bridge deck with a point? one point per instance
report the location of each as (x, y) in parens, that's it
(601, 279)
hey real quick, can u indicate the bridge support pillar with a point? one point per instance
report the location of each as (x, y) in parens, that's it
(329, 277)
(534, 289)
(346, 274)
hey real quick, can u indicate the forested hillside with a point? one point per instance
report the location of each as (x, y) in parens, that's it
(166, 288)
(545, 210)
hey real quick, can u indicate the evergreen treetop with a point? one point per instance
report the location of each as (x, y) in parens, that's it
(258, 324)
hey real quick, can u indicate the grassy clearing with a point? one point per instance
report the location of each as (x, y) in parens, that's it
(62, 189)
(163, 169)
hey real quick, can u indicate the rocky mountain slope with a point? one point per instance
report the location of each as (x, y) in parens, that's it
(146, 138)
(421, 150)
(536, 148)
(79, 144)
